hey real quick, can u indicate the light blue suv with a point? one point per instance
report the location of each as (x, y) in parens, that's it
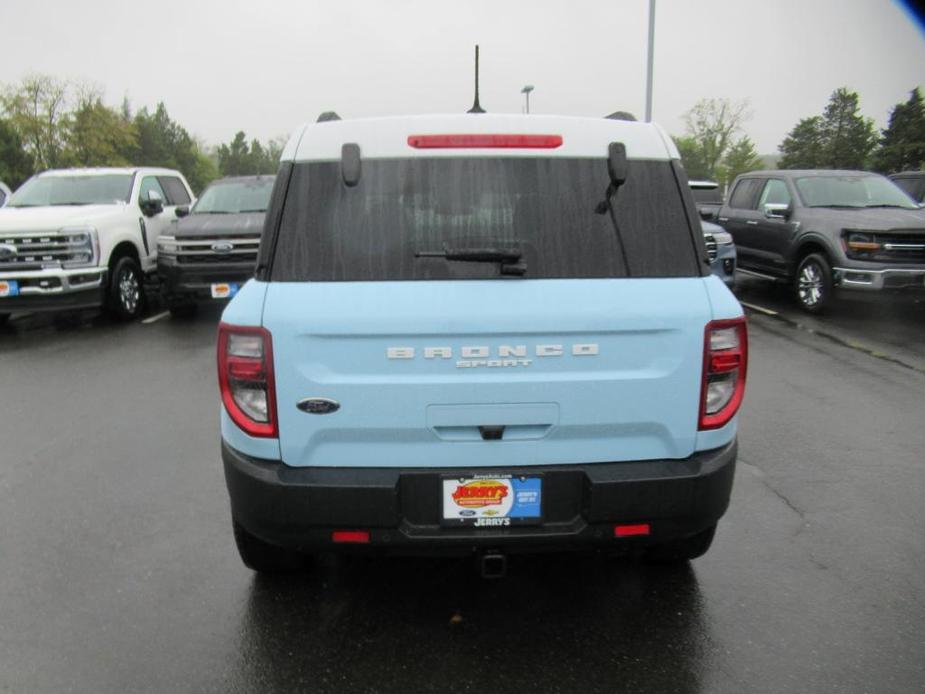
(480, 334)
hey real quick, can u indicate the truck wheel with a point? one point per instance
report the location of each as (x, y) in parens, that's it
(812, 285)
(264, 557)
(126, 292)
(682, 550)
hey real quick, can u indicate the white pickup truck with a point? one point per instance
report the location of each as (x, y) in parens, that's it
(81, 238)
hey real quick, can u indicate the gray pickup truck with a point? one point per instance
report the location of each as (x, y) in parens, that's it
(823, 229)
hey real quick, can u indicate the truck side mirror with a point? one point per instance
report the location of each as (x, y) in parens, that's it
(153, 205)
(706, 213)
(182, 211)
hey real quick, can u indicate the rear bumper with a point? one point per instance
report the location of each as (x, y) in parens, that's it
(875, 280)
(194, 282)
(56, 289)
(299, 507)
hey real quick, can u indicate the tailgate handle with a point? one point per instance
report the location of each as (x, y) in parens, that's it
(491, 433)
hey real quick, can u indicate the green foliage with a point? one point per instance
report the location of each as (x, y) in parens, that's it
(839, 139)
(741, 158)
(711, 125)
(37, 110)
(692, 157)
(99, 136)
(237, 158)
(16, 163)
(163, 142)
(902, 145)
(803, 147)
(849, 136)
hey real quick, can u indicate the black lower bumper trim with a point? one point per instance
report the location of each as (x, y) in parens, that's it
(68, 301)
(299, 507)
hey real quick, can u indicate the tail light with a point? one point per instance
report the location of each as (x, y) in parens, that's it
(725, 358)
(245, 378)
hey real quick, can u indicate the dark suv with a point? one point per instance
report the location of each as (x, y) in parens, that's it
(822, 229)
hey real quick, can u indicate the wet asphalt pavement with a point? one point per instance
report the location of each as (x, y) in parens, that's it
(118, 571)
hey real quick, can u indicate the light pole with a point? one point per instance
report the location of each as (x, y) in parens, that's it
(526, 92)
(651, 60)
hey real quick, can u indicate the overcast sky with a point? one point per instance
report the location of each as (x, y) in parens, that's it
(264, 67)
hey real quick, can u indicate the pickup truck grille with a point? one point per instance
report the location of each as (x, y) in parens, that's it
(905, 248)
(711, 246)
(217, 250)
(39, 251)
(896, 246)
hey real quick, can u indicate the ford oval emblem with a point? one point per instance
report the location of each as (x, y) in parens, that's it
(222, 247)
(318, 405)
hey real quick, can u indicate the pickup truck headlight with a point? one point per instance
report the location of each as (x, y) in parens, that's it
(722, 238)
(167, 245)
(83, 246)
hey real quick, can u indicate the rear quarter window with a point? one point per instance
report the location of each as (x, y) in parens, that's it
(544, 207)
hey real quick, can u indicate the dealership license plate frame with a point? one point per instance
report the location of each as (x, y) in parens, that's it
(520, 512)
(224, 290)
(9, 288)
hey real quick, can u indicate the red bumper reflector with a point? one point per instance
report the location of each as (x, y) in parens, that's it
(485, 141)
(630, 530)
(358, 536)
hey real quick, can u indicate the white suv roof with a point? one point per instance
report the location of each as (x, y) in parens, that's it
(381, 138)
(107, 171)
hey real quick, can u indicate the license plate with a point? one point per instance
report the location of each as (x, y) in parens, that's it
(493, 501)
(9, 288)
(224, 290)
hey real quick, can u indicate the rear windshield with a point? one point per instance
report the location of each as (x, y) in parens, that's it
(545, 208)
(707, 195)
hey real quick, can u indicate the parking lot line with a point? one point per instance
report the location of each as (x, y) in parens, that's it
(156, 317)
(760, 309)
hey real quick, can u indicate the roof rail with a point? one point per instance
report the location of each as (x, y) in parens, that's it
(621, 115)
(327, 116)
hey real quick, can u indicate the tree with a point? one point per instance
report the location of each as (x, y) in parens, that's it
(741, 157)
(692, 157)
(849, 137)
(15, 163)
(233, 158)
(902, 145)
(804, 145)
(712, 124)
(37, 109)
(839, 139)
(237, 158)
(164, 142)
(99, 136)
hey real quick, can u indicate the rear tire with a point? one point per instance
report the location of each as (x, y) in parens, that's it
(812, 286)
(682, 550)
(126, 290)
(264, 557)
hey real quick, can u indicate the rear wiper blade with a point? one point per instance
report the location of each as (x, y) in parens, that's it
(508, 257)
(246, 211)
(69, 204)
(883, 204)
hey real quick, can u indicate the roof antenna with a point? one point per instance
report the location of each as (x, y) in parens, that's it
(475, 107)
